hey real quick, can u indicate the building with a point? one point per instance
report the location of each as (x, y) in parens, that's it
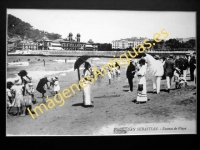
(59, 44)
(44, 43)
(72, 44)
(185, 39)
(27, 45)
(126, 43)
(55, 45)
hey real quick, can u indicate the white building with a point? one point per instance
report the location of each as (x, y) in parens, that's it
(128, 42)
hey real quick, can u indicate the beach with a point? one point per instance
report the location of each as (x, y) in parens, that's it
(113, 104)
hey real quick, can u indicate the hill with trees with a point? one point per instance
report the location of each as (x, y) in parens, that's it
(17, 27)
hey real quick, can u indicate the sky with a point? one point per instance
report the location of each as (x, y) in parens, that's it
(104, 26)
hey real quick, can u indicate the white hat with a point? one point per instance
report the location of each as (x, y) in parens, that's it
(30, 84)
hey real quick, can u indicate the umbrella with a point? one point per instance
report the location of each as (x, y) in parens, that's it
(80, 61)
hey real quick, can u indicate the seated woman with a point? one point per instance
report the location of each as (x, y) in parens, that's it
(142, 91)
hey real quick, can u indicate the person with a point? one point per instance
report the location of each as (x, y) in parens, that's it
(177, 78)
(163, 60)
(169, 71)
(177, 66)
(192, 66)
(29, 97)
(11, 95)
(19, 99)
(142, 92)
(117, 69)
(87, 73)
(181, 64)
(109, 75)
(157, 75)
(41, 86)
(56, 86)
(130, 72)
(195, 75)
(188, 59)
(51, 84)
(185, 66)
(23, 78)
(30, 91)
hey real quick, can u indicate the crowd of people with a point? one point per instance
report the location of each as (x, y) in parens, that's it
(167, 68)
(21, 92)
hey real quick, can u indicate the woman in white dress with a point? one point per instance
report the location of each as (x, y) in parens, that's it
(142, 91)
(87, 73)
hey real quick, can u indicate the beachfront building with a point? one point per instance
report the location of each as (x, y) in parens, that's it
(58, 44)
(55, 45)
(27, 45)
(72, 44)
(126, 43)
(44, 43)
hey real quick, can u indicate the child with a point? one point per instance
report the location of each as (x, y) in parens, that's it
(30, 92)
(117, 69)
(29, 98)
(51, 80)
(56, 86)
(19, 100)
(11, 95)
(109, 75)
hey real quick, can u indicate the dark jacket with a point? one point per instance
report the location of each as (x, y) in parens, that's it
(192, 62)
(40, 86)
(169, 67)
(183, 64)
(129, 73)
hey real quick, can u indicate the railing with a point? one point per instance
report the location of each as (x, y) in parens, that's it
(97, 53)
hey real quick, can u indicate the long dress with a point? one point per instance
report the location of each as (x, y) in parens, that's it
(19, 100)
(142, 95)
(87, 100)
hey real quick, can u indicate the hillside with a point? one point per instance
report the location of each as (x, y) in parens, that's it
(19, 28)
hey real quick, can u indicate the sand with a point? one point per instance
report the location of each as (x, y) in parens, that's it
(113, 108)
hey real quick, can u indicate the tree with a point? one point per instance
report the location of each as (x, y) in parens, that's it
(189, 44)
(18, 27)
(173, 44)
